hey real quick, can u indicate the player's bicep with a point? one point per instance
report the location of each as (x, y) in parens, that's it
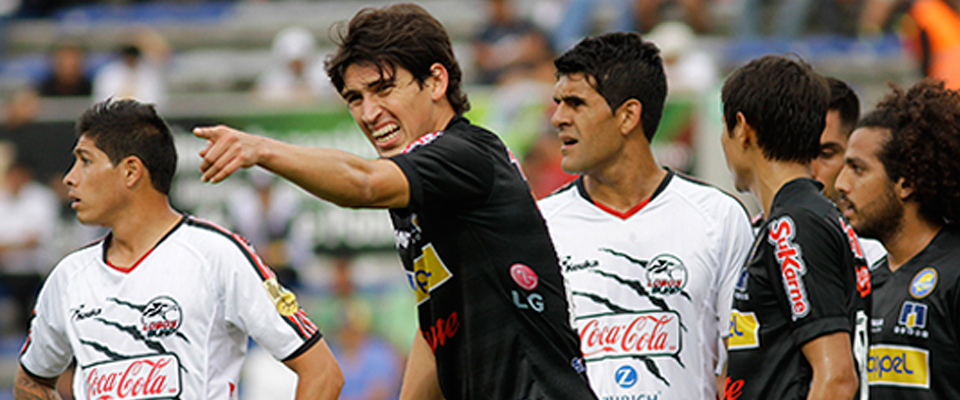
(391, 188)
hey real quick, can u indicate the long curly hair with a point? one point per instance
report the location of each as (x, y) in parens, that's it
(924, 145)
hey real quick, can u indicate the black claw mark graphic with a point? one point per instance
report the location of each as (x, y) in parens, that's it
(637, 287)
(627, 256)
(103, 349)
(132, 331)
(128, 304)
(606, 302)
(653, 368)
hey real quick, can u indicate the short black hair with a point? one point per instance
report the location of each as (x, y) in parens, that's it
(400, 35)
(784, 101)
(924, 145)
(123, 128)
(622, 66)
(845, 101)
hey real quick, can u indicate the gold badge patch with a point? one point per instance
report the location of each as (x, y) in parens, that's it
(283, 299)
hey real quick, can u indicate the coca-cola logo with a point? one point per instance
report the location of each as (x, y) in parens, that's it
(666, 275)
(631, 334)
(161, 317)
(524, 276)
(150, 377)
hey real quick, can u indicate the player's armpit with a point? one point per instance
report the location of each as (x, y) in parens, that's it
(29, 387)
(420, 379)
(318, 373)
(834, 374)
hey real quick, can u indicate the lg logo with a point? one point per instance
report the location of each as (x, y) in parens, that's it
(626, 377)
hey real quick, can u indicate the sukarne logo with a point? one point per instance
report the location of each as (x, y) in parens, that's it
(632, 334)
(792, 269)
(149, 377)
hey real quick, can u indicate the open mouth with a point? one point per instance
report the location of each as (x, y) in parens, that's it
(386, 133)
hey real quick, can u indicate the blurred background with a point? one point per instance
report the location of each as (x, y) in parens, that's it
(258, 65)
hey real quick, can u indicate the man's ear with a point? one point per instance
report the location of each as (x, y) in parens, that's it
(903, 189)
(743, 133)
(133, 171)
(438, 81)
(629, 116)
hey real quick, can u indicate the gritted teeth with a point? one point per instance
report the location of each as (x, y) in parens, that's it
(385, 132)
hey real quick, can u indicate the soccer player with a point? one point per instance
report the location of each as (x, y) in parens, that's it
(899, 185)
(493, 314)
(162, 307)
(651, 256)
(798, 325)
(843, 112)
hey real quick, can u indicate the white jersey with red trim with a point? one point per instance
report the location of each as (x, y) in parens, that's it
(651, 288)
(174, 326)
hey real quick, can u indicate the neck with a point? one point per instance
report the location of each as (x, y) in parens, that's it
(628, 180)
(139, 228)
(442, 115)
(914, 235)
(771, 176)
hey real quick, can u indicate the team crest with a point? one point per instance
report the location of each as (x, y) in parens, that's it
(666, 275)
(923, 283)
(161, 317)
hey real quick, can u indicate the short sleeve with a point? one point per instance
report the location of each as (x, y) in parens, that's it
(812, 260)
(256, 303)
(737, 239)
(47, 352)
(448, 170)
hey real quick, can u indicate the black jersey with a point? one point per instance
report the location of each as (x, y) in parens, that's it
(805, 277)
(490, 296)
(915, 325)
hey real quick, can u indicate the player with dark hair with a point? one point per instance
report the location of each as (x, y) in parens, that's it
(163, 306)
(493, 314)
(798, 326)
(899, 185)
(646, 252)
(843, 112)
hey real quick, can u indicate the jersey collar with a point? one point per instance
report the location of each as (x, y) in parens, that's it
(109, 238)
(633, 210)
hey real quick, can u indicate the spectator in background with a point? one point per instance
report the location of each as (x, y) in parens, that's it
(28, 211)
(508, 45)
(628, 15)
(137, 73)
(371, 367)
(67, 75)
(929, 29)
(264, 212)
(296, 73)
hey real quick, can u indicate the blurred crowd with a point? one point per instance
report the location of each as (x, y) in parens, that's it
(512, 71)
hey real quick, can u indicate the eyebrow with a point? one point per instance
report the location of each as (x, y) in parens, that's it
(571, 99)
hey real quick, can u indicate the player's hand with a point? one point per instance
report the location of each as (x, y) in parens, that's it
(227, 151)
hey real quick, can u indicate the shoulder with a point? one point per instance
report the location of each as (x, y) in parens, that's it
(708, 199)
(76, 262)
(559, 201)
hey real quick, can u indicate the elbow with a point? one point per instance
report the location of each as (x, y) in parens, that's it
(842, 385)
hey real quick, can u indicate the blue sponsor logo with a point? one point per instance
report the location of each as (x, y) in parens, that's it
(577, 364)
(626, 377)
(923, 283)
(913, 315)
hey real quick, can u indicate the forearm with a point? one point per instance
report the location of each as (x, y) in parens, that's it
(333, 175)
(832, 387)
(420, 378)
(834, 374)
(28, 387)
(327, 386)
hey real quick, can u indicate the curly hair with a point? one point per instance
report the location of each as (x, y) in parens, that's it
(924, 145)
(623, 66)
(399, 35)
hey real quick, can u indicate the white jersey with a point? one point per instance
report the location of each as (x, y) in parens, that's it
(175, 326)
(651, 288)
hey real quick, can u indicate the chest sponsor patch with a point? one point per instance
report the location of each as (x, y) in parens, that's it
(902, 366)
(744, 331)
(630, 334)
(149, 377)
(923, 283)
(428, 273)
